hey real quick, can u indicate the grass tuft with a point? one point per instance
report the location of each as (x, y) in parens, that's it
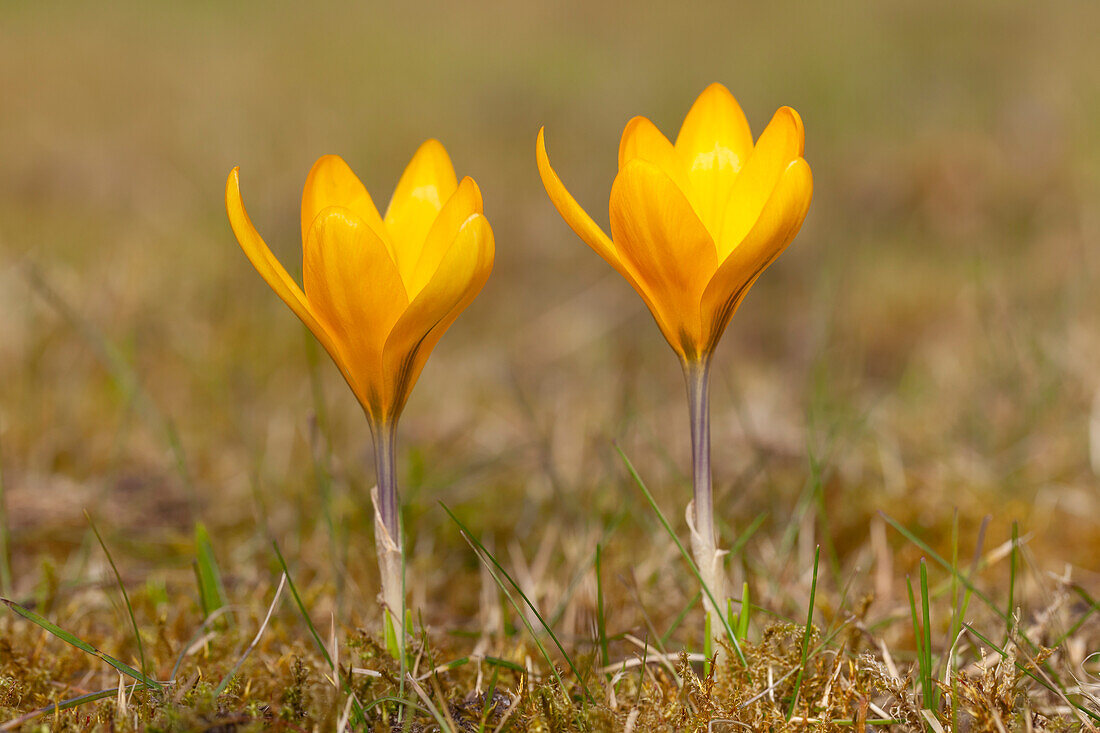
(211, 588)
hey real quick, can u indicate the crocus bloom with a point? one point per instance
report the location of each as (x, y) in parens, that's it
(379, 292)
(693, 224)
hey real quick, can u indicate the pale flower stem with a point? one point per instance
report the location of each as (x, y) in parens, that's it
(385, 464)
(704, 540)
(387, 529)
(697, 375)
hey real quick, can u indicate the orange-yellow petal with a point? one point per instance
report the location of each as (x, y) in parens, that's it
(587, 229)
(658, 234)
(459, 277)
(641, 139)
(715, 120)
(428, 181)
(353, 287)
(713, 144)
(465, 202)
(270, 269)
(332, 183)
(575, 216)
(777, 225)
(781, 142)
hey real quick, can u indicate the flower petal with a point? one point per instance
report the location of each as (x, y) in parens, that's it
(715, 120)
(777, 225)
(781, 142)
(428, 181)
(270, 269)
(658, 234)
(588, 230)
(354, 288)
(332, 183)
(575, 216)
(642, 139)
(465, 202)
(713, 144)
(461, 273)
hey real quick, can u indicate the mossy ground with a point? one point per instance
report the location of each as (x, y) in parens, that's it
(926, 349)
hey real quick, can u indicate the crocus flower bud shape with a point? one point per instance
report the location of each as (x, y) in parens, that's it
(379, 292)
(693, 224)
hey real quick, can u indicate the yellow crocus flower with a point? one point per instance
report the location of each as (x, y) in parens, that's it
(379, 292)
(693, 224)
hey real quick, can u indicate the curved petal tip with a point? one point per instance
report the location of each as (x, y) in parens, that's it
(794, 120)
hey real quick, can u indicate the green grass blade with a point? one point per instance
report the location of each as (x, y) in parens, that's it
(485, 555)
(5, 538)
(487, 705)
(498, 662)
(918, 638)
(302, 608)
(805, 636)
(125, 595)
(1012, 564)
(708, 641)
(956, 620)
(80, 644)
(745, 613)
(685, 554)
(932, 700)
(601, 621)
(211, 590)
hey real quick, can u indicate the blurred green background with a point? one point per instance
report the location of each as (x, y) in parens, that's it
(931, 337)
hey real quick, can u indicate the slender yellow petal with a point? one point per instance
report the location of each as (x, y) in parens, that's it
(273, 273)
(587, 229)
(780, 143)
(777, 225)
(332, 183)
(428, 181)
(354, 288)
(461, 273)
(575, 216)
(656, 231)
(642, 139)
(465, 202)
(713, 144)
